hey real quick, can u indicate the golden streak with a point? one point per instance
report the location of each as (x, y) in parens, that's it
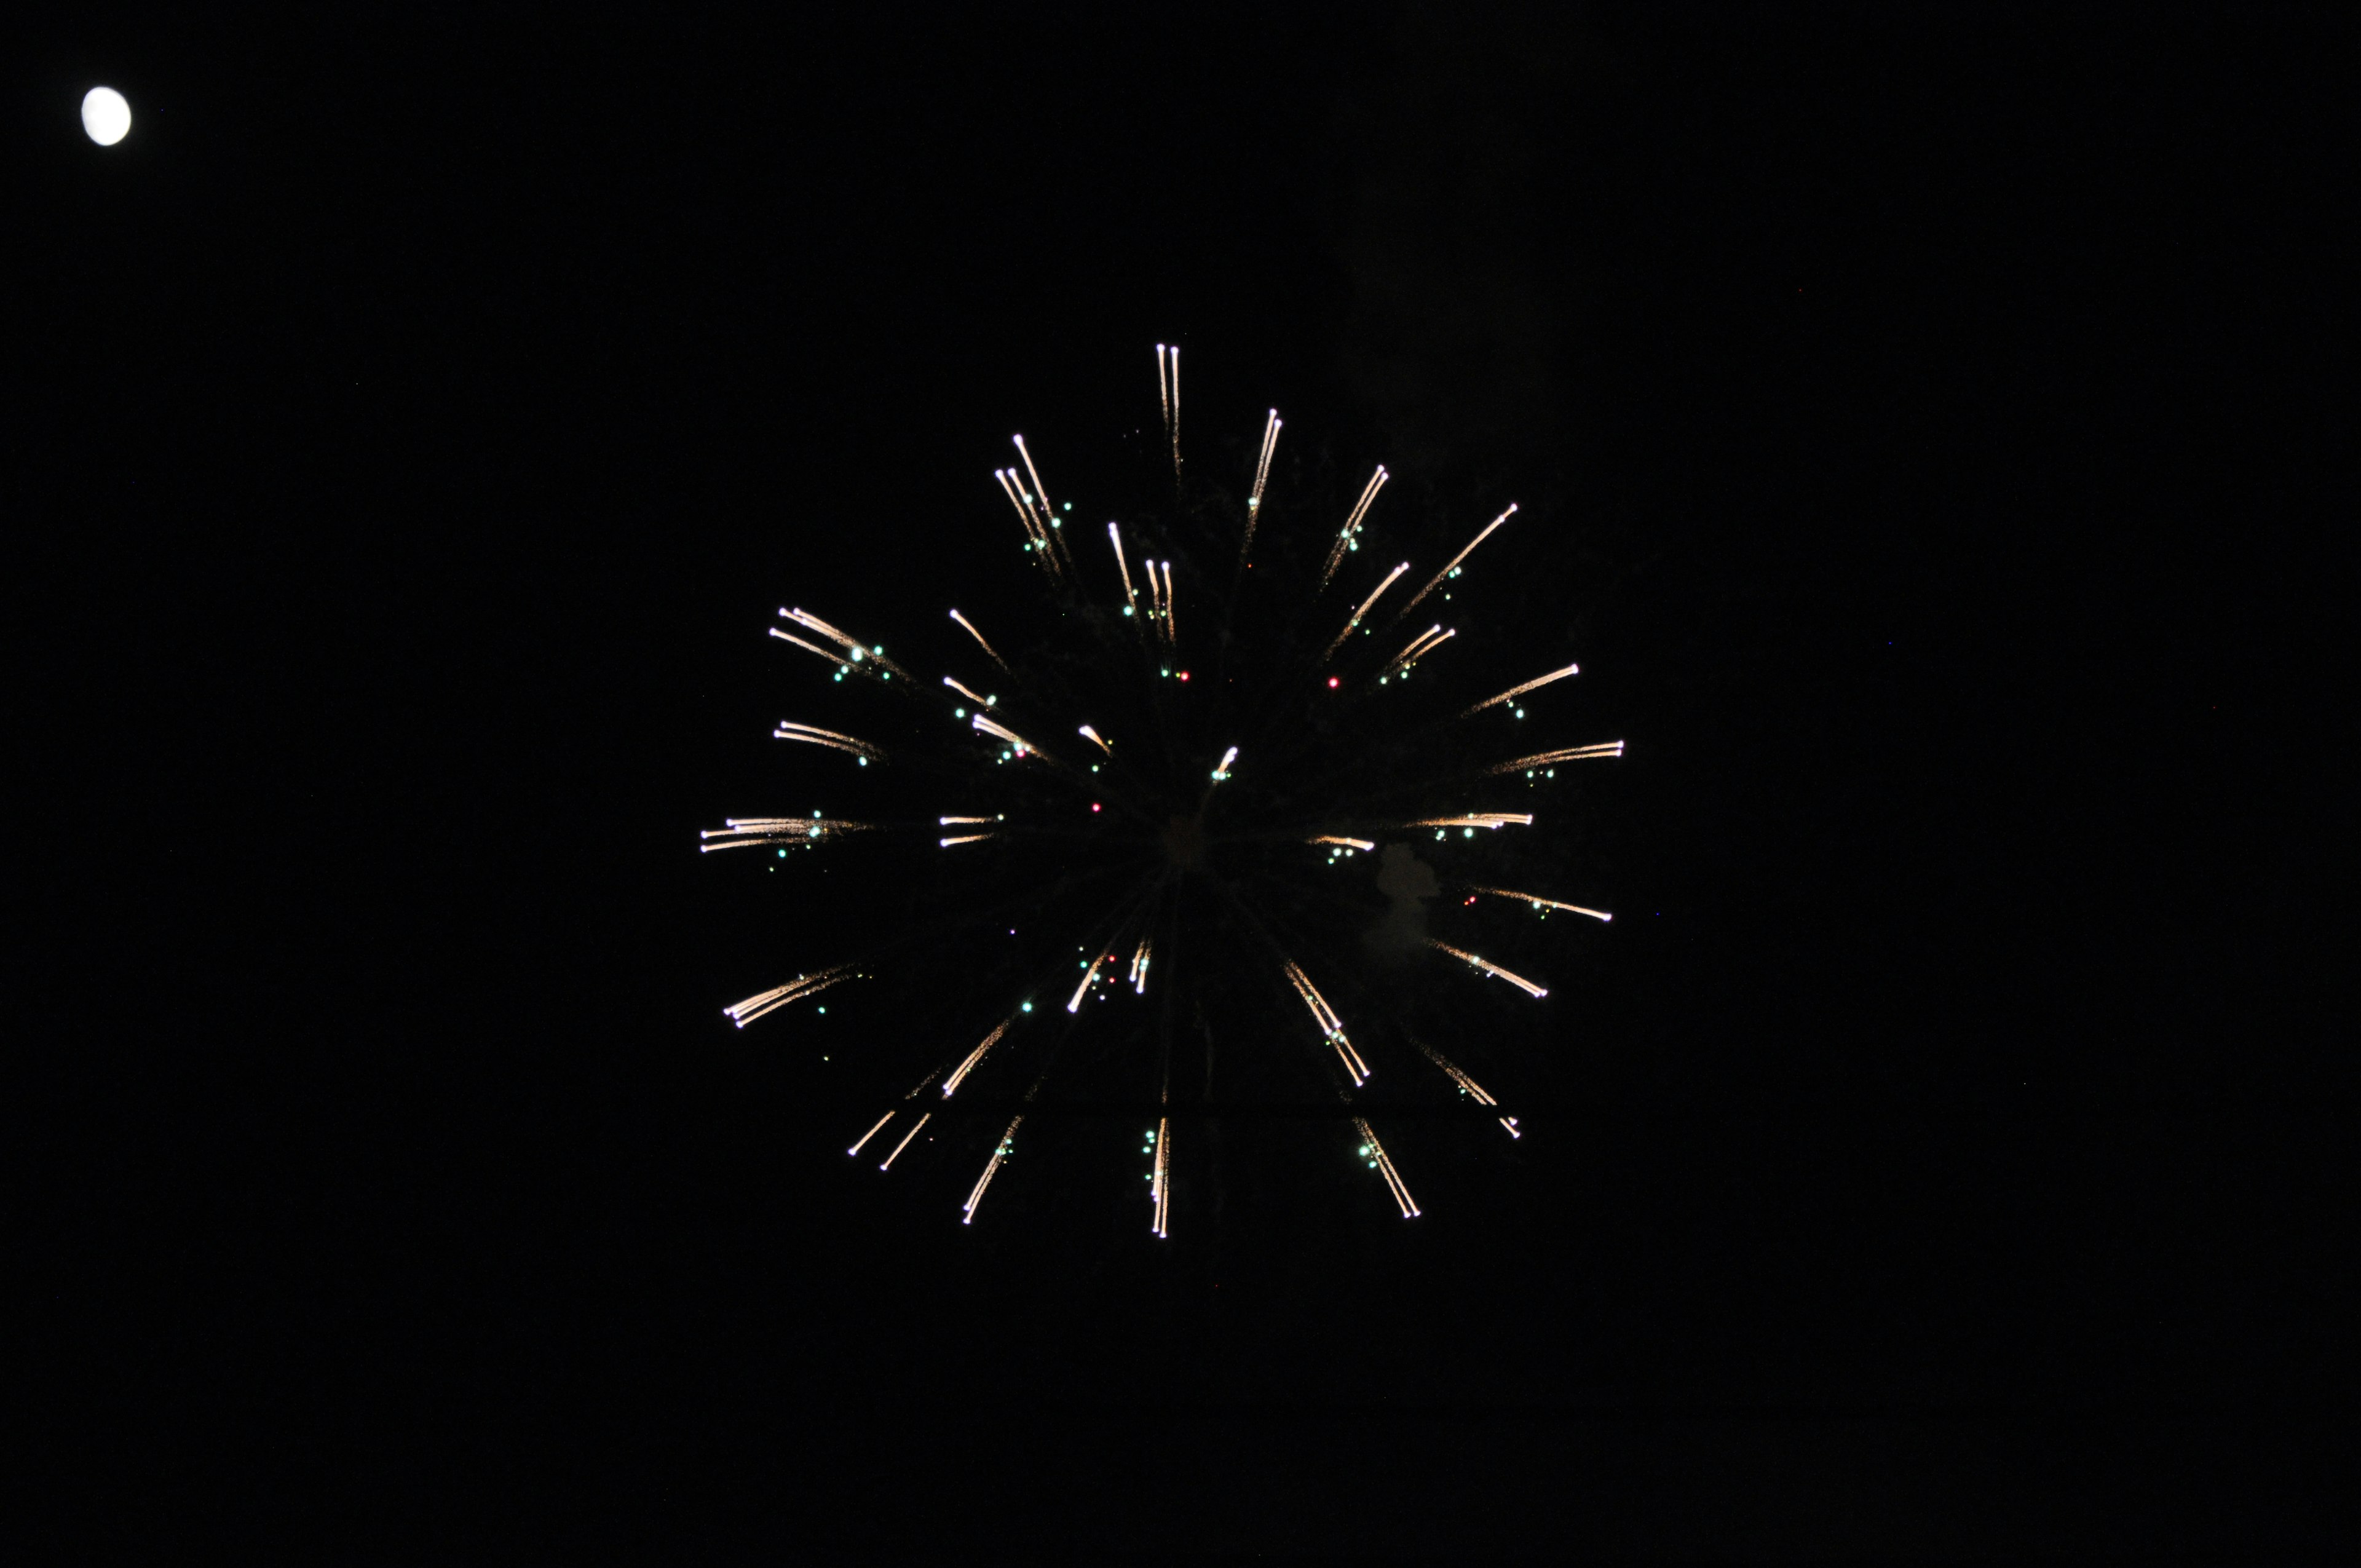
(964, 691)
(1491, 968)
(1092, 736)
(1570, 754)
(1385, 1167)
(753, 1007)
(968, 838)
(1357, 614)
(905, 1143)
(1114, 537)
(1354, 843)
(1351, 525)
(791, 832)
(1262, 475)
(1425, 642)
(1332, 1028)
(799, 642)
(1171, 622)
(1520, 691)
(1474, 1089)
(968, 626)
(958, 821)
(1140, 969)
(1538, 902)
(1014, 739)
(1049, 530)
(871, 1133)
(789, 731)
(992, 1166)
(1454, 566)
(1224, 771)
(1485, 819)
(1159, 1190)
(959, 1075)
(860, 655)
(1074, 1003)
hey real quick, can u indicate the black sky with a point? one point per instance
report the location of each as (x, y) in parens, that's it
(1928, 421)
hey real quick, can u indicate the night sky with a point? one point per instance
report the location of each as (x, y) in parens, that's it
(1922, 426)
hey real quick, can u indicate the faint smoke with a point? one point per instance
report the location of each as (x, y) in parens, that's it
(1409, 883)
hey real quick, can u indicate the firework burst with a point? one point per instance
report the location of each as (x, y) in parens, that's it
(1143, 824)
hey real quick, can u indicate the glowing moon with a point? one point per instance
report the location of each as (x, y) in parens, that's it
(105, 116)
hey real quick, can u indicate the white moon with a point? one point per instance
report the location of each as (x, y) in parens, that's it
(105, 116)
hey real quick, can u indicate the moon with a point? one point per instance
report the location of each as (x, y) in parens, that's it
(106, 116)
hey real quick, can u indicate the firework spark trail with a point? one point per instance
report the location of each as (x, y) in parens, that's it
(1375, 1153)
(860, 654)
(1074, 1003)
(1357, 614)
(1332, 1028)
(790, 730)
(1437, 580)
(990, 1169)
(1168, 385)
(965, 838)
(1535, 684)
(1023, 746)
(1037, 532)
(784, 637)
(906, 1142)
(1570, 754)
(871, 1133)
(1138, 976)
(1491, 968)
(1049, 512)
(1466, 1083)
(1488, 820)
(1130, 600)
(1171, 620)
(1538, 902)
(1159, 1189)
(739, 831)
(970, 627)
(968, 694)
(975, 1057)
(1350, 843)
(1262, 476)
(753, 1007)
(1096, 739)
(1224, 771)
(1420, 646)
(1352, 524)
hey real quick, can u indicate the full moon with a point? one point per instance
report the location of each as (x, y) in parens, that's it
(105, 116)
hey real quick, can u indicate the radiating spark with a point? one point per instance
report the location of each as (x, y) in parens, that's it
(1351, 525)
(1168, 384)
(1536, 682)
(1076, 1002)
(1224, 771)
(1159, 1190)
(1172, 620)
(871, 1133)
(1425, 642)
(1092, 736)
(1262, 473)
(1491, 968)
(1570, 754)
(992, 1166)
(1437, 580)
(1130, 600)
(1474, 1089)
(1140, 969)
(823, 652)
(959, 1074)
(753, 1007)
(1350, 843)
(790, 831)
(1014, 739)
(971, 632)
(1366, 603)
(860, 653)
(1477, 820)
(789, 731)
(905, 1143)
(961, 821)
(981, 701)
(1538, 902)
(1049, 512)
(965, 838)
(1376, 1157)
(1332, 1027)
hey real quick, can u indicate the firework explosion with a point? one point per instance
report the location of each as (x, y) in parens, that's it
(1150, 827)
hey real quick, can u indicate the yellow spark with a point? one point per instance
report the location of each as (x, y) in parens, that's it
(1352, 523)
(1262, 473)
(1570, 754)
(1076, 1002)
(1351, 843)
(789, 731)
(1489, 968)
(1520, 691)
(1049, 512)
(1376, 1153)
(1538, 902)
(1357, 614)
(1005, 733)
(1466, 1083)
(966, 838)
(753, 1007)
(970, 627)
(1224, 771)
(823, 652)
(992, 1166)
(1140, 969)
(1092, 736)
(1425, 642)
(1332, 1027)
(1171, 622)
(1486, 819)
(871, 1133)
(790, 831)
(964, 691)
(1114, 537)
(958, 821)
(905, 1143)
(860, 653)
(1159, 1190)
(1454, 566)
(959, 1075)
